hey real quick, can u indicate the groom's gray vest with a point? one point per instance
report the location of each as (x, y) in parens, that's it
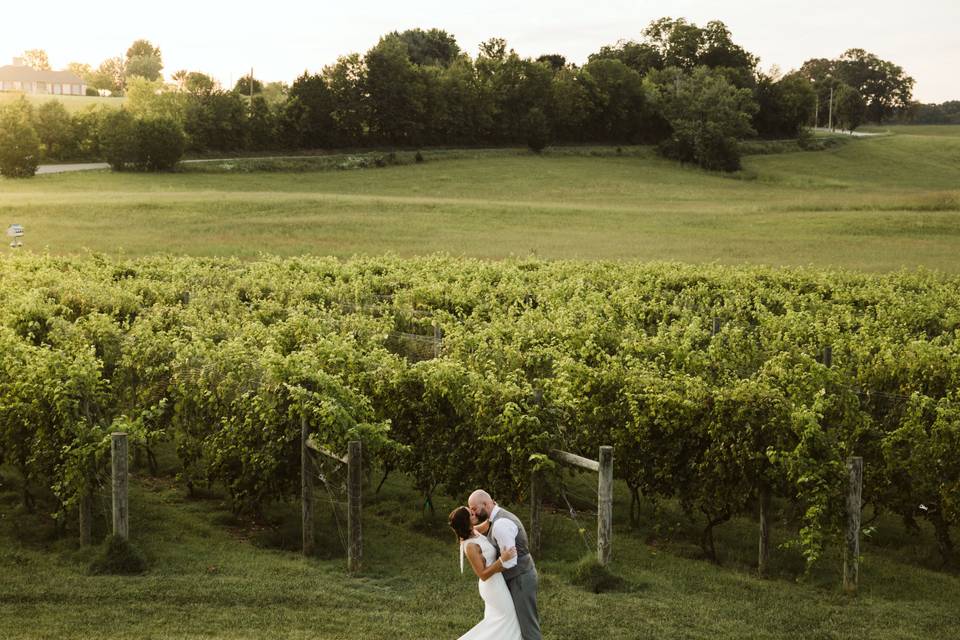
(524, 559)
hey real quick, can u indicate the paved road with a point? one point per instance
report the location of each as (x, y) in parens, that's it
(90, 166)
(841, 132)
(64, 168)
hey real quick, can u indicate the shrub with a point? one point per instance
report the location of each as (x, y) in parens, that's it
(118, 557)
(160, 144)
(118, 139)
(537, 130)
(54, 127)
(707, 115)
(19, 143)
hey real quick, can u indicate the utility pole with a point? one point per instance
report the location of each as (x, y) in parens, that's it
(251, 85)
(830, 121)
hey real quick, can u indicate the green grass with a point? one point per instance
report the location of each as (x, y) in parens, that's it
(215, 576)
(72, 103)
(873, 204)
(937, 130)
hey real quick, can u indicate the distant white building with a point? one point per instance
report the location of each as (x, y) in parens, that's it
(20, 77)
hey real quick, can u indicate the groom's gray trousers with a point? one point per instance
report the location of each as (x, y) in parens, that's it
(523, 589)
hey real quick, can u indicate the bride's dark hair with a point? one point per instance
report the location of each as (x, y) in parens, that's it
(460, 522)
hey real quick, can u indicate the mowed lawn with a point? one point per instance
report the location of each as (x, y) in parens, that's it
(872, 204)
(72, 103)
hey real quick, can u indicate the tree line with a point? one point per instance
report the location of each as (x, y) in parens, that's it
(690, 90)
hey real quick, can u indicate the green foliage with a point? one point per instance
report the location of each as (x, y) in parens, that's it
(19, 143)
(247, 85)
(160, 144)
(143, 60)
(55, 128)
(784, 107)
(434, 47)
(706, 114)
(851, 109)
(118, 139)
(118, 556)
(538, 130)
(110, 76)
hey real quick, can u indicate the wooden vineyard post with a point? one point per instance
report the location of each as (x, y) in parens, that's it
(536, 512)
(604, 468)
(716, 326)
(763, 553)
(354, 507)
(306, 489)
(851, 555)
(605, 505)
(118, 456)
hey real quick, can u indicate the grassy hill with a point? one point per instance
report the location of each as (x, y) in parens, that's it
(212, 575)
(72, 103)
(874, 204)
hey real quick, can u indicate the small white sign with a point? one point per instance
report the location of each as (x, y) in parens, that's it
(14, 231)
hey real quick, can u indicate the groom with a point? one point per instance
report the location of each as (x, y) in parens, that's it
(507, 531)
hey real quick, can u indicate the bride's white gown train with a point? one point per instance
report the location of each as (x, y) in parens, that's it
(499, 616)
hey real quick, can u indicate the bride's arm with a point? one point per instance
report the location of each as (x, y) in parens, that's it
(476, 562)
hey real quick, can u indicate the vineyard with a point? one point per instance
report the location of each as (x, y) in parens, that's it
(720, 388)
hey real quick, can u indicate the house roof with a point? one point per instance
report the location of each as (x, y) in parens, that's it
(21, 73)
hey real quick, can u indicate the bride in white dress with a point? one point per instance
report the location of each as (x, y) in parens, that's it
(499, 615)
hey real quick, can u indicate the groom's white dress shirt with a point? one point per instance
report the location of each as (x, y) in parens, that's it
(505, 533)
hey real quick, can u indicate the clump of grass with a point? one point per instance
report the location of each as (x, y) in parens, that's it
(118, 557)
(938, 202)
(596, 578)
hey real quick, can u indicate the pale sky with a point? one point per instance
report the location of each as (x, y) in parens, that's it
(282, 38)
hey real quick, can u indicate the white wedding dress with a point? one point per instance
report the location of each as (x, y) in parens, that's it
(499, 615)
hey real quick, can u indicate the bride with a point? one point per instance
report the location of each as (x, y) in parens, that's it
(499, 616)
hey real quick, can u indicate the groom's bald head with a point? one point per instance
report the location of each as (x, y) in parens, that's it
(481, 504)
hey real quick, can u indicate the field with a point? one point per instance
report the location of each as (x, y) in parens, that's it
(936, 130)
(872, 204)
(213, 576)
(72, 103)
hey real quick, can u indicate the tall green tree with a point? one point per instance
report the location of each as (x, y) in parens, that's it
(685, 45)
(248, 85)
(143, 60)
(642, 57)
(307, 119)
(199, 84)
(350, 104)
(884, 86)
(397, 95)
(434, 47)
(36, 59)
(54, 127)
(850, 107)
(785, 106)
(19, 143)
(619, 102)
(261, 125)
(110, 76)
(707, 116)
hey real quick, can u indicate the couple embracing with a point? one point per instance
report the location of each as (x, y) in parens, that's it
(495, 543)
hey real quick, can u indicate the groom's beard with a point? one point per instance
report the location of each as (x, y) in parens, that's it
(482, 516)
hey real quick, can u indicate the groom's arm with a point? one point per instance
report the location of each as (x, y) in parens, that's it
(505, 533)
